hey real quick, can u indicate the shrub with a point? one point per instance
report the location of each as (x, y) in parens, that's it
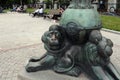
(30, 10)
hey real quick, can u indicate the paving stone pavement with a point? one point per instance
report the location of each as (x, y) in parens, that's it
(12, 61)
(21, 29)
(20, 40)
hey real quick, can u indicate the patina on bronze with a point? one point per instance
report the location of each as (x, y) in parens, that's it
(76, 45)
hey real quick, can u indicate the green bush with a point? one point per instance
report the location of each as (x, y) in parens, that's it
(111, 22)
(46, 11)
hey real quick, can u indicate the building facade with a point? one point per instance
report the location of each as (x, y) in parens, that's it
(105, 4)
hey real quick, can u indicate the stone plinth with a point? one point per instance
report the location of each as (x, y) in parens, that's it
(48, 75)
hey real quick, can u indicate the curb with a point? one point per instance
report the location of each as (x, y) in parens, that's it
(111, 31)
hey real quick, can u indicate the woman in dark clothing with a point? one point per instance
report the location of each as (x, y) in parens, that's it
(55, 16)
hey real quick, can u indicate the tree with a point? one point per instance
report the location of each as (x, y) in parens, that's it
(64, 3)
(48, 3)
(118, 4)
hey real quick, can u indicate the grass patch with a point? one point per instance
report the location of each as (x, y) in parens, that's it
(6, 10)
(111, 22)
(30, 10)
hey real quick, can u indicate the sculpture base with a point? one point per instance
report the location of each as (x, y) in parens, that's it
(48, 75)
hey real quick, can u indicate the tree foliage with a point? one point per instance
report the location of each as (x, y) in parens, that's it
(9, 3)
(59, 2)
(118, 4)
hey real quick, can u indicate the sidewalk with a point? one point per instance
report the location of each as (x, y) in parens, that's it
(17, 29)
(21, 39)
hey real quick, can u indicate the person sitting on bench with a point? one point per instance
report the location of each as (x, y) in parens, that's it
(38, 12)
(55, 16)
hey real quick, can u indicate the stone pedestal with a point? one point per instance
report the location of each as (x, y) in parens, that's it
(48, 75)
(55, 6)
(44, 6)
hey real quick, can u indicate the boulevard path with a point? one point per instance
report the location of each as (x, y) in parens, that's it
(20, 39)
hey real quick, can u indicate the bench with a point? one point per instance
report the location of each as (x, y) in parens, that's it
(37, 14)
(51, 13)
(22, 11)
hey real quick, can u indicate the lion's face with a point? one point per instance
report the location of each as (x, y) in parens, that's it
(54, 38)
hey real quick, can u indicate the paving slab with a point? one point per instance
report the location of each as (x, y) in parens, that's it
(48, 75)
(17, 29)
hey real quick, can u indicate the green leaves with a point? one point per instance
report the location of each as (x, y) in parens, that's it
(9, 3)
